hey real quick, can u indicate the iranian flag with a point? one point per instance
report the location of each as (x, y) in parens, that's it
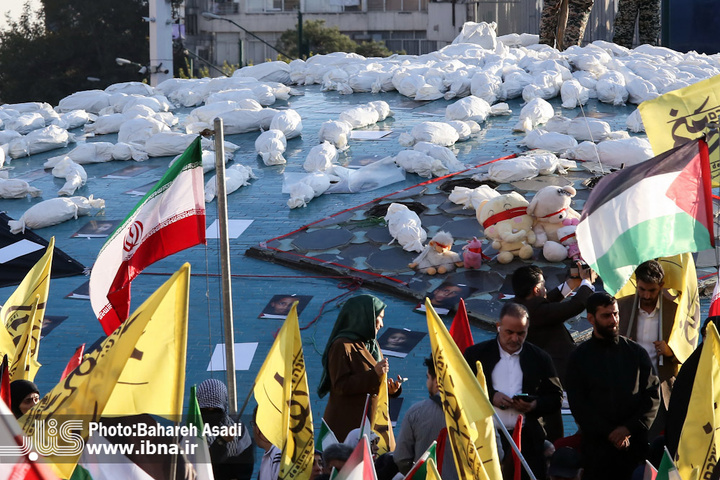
(169, 218)
(657, 208)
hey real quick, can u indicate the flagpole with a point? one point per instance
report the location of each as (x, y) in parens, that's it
(226, 286)
(514, 447)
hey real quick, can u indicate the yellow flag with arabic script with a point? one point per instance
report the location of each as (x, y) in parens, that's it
(700, 438)
(682, 115)
(16, 310)
(383, 424)
(282, 395)
(465, 405)
(154, 382)
(681, 283)
(24, 364)
(80, 398)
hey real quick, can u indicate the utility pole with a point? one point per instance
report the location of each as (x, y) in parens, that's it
(301, 49)
(161, 51)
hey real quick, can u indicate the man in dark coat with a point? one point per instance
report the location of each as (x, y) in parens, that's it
(548, 312)
(614, 395)
(520, 379)
(647, 318)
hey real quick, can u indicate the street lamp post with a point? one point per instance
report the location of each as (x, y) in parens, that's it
(212, 16)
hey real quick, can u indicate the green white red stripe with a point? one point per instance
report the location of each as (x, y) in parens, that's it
(169, 218)
(657, 208)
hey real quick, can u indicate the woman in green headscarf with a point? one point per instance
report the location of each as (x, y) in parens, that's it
(353, 365)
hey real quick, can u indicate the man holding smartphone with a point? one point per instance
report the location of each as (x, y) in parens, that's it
(521, 379)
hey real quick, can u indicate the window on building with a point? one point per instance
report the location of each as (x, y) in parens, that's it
(191, 27)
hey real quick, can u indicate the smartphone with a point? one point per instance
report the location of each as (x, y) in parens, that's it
(525, 397)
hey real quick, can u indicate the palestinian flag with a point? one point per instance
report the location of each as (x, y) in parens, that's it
(359, 465)
(169, 218)
(657, 208)
(325, 438)
(667, 470)
(420, 469)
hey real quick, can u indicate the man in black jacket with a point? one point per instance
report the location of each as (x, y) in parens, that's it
(614, 395)
(521, 379)
(548, 312)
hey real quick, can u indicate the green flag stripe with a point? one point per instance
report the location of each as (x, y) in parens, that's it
(658, 237)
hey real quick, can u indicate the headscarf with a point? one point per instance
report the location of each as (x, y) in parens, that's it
(19, 389)
(356, 321)
(212, 393)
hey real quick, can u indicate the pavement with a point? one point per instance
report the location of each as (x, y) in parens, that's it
(256, 280)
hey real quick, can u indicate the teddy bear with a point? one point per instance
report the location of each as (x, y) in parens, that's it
(437, 256)
(472, 253)
(549, 207)
(507, 223)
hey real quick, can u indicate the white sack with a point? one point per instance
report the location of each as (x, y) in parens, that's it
(630, 151)
(335, 132)
(405, 227)
(55, 211)
(37, 141)
(236, 176)
(74, 175)
(270, 146)
(321, 157)
(16, 188)
(468, 108)
(536, 112)
(551, 141)
(584, 128)
(288, 122)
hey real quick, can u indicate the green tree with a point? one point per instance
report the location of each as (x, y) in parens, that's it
(47, 55)
(373, 49)
(318, 39)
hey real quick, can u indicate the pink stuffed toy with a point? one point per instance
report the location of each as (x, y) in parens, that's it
(566, 236)
(472, 253)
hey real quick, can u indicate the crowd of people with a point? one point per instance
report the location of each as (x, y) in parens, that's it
(618, 382)
(624, 386)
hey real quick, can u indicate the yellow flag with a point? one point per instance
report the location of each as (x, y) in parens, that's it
(683, 115)
(16, 311)
(282, 395)
(80, 398)
(680, 283)
(432, 471)
(465, 404)
(154, 382)
(383, 425)
(24, 364)
(700, 439)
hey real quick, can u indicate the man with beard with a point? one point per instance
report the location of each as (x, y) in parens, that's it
(647, 318)
(613, 393)
(421, 426)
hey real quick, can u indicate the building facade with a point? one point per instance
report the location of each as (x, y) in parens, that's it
(415, 26)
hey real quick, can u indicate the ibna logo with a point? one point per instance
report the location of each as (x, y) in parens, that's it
(49, 440)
